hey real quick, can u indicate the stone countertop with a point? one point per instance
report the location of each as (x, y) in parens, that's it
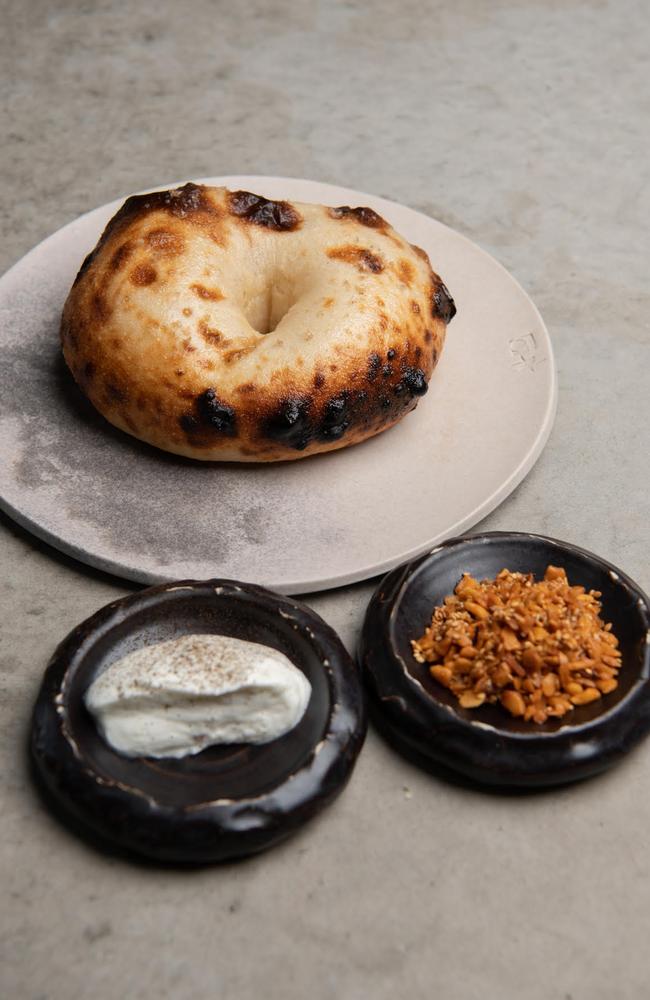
(524, 125)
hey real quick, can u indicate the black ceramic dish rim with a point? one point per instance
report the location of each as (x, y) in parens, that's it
(438, 737)
(235, 827)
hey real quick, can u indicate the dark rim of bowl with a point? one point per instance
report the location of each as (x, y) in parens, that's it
(431, 725)
(121, 814)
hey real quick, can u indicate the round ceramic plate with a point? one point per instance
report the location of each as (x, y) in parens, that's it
(107, 499)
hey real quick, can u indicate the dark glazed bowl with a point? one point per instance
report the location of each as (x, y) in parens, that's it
(423, 719)
(228, 801)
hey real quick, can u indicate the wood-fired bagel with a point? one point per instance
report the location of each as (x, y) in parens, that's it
(223, 326)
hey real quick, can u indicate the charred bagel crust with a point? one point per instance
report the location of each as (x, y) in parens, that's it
(166, 328)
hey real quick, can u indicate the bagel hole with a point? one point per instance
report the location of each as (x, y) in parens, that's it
(266, 311)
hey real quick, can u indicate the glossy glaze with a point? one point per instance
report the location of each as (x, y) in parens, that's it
(228, 801)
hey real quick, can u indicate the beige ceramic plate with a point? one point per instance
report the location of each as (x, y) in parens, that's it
(307, 525)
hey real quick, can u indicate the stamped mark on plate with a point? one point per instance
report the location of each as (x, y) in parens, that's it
(524, 353)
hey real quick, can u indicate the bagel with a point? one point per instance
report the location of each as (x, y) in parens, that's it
(224, 326)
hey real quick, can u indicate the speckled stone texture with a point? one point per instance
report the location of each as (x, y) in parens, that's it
(523, 125)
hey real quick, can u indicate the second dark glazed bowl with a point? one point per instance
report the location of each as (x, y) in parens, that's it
(487, 745)
(227, 801)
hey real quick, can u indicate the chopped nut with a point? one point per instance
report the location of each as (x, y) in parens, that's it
(442, 674)
(509, 639)
(514, 703)
(584, 697)
(501, 676)
(549, 684)
(531, 659)
(471, 700)
(538, 648)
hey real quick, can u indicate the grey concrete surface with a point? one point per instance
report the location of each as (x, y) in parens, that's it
(525, 126)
